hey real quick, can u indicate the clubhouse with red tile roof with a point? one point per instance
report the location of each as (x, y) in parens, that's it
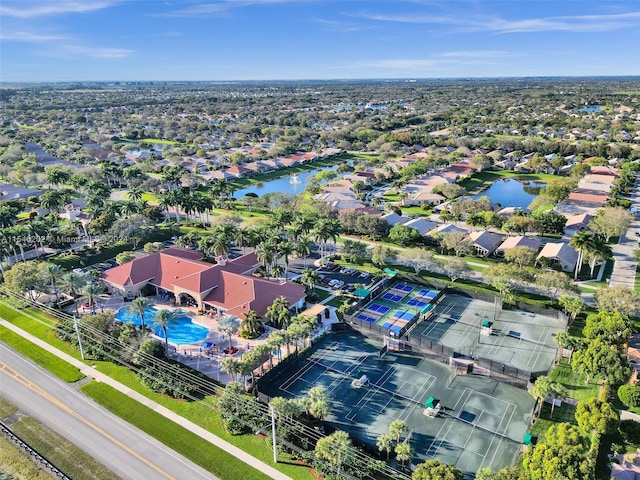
(227, 287)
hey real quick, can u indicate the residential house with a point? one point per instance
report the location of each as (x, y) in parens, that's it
(533, 243)
(422, 197)
(577, 223)
(227, 287)
(393, 218)
(561, 253)
(422, 225)
(627, 469)
(485, 242)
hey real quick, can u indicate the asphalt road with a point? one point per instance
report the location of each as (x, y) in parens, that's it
(125, 450)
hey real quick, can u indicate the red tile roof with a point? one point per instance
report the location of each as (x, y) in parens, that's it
(229, 286)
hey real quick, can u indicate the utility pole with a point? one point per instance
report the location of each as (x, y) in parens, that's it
(273, 433)
(75, 326)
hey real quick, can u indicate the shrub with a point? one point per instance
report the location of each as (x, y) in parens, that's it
(630, 430)
(629, 395)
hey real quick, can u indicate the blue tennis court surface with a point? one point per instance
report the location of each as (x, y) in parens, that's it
(376, 307)
(392, 297)
(366, 318)
(417, 303)
(403, 315)
(428, 294)
(403, 287)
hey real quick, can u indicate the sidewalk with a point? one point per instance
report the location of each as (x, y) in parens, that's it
(201, 432)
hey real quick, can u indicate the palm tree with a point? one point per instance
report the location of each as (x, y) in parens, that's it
(335, 449)
(90, 294)
(231, 366)
(164, 318)
(278, 312)
(302, 248)
(128, 208)
(404, 452)
(385, 443)
(318, 404)
(135, 194)
(73, 283)
(581, 241)
(597, 251)
(228, 325)
(275, 340)
(309, 278)
(19, 234)
(251, 323)
(265, 253)
(52, 272)
(138, 306)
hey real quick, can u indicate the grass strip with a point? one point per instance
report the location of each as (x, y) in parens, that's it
(66, 456)
(55, 365)
(187, 443)
(17, 464)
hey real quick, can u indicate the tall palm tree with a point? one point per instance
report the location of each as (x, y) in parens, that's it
(309, 278)
(597, 251)
(335, 449)
(90, 294)
(73, 283)
(251, 323)
(19, 234)
(581, 241)
(266, 253)
(302, 247)
(128, 208)
(165, 317)
(228, 325)
(231, 366)
(285, 249)
(138, 307)
(53, 273)
(275, 340)
(135, 194)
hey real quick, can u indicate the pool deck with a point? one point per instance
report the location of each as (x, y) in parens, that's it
(195, 355)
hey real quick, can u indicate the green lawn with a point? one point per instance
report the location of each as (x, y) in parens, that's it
(200, 413)
(565, 413)
(183, 441)
(160, 141)
(573, 382)
(47, 360)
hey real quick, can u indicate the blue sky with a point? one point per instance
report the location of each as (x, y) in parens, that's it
(66, 40)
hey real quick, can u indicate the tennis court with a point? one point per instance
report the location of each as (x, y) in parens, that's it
(398, 306)
(482, 422)
(519, 339)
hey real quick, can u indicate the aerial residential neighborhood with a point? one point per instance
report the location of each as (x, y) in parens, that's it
(319, 240)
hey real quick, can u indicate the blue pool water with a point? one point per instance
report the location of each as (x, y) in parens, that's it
(180, 332)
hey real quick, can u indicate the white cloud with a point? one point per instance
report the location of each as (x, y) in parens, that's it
(23, 9)
(66, 50)
(221, 7)
(30, 37)
(476, 54)
(496, 24)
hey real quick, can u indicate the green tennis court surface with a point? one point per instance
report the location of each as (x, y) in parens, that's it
(482, 422)
(519, 339)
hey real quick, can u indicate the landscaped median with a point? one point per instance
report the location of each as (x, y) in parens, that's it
(202, 452)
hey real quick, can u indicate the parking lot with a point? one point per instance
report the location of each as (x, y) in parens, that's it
(338, 277)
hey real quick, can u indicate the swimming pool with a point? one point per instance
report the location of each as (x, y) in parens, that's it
(180, 332)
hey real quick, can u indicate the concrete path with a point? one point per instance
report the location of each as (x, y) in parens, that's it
(201, 432)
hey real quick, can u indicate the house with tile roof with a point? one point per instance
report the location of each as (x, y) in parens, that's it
(518, 241)
(560, 253)
(485, 242)
(227, 287)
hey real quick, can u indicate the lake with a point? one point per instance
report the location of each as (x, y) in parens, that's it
(591, 108)
(282, 184)
(512, 193)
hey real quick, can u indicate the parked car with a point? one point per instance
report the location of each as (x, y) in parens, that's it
(364, 274)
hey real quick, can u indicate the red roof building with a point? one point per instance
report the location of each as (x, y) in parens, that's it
(228, 287)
